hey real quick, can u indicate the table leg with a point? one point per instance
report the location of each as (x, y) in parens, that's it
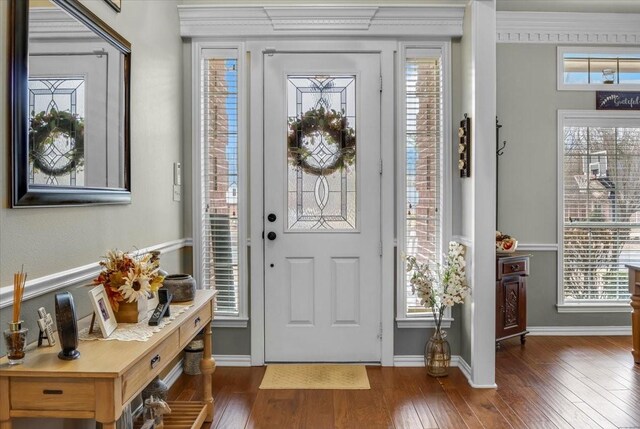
(207, 367)
(635, 326)
(5, 407)
(111, 425)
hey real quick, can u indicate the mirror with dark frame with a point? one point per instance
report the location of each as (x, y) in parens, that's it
(69, 104)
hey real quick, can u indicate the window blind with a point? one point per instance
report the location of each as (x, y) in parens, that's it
(423, 131)
(601, 221)
(220, 179)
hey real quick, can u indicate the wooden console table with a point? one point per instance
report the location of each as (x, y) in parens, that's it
(107, 375)
(634, 289)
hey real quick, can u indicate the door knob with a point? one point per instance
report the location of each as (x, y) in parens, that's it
(271, 217)
(271, 235)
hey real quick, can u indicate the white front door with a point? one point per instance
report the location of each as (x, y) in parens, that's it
(322, 207)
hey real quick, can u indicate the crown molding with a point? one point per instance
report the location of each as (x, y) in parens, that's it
(568, 27)
(295, 19)
(258, 21)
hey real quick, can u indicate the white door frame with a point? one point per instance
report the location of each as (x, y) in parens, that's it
(256, 50)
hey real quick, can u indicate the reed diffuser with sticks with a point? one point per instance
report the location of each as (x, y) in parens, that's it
(16, 335)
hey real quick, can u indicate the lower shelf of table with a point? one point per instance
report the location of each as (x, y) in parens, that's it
(184, 415)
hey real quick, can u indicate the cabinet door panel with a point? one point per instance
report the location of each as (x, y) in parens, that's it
(511, 303)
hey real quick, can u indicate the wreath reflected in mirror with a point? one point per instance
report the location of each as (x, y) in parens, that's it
(320, 142)
(44, 134)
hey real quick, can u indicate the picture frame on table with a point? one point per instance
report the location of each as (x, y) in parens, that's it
(103, 311)
(152, 301)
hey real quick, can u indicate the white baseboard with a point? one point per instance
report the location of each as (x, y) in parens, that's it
(174, 374)
(456, 361)
(79, 275)
(418, 361)
(410, 360)
(463, 366)
(578, 331)
(232, 360)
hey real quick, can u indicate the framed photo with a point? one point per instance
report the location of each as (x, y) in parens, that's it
(103, 310)
(152, 301)
(115, 4)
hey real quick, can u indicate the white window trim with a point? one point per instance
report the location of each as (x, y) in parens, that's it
(403, 320)
(197, 54)
(593, 118)
(594, 308)
(595, 86)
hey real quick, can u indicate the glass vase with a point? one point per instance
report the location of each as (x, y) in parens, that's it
(16, 340)
(437, 354)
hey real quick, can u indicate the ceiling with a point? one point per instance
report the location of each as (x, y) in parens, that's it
(600, 6)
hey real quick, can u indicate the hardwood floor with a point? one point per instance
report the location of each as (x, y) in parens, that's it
(552, 382)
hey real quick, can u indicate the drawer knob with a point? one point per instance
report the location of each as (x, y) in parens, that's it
(197, 321)
(515, 267)
(51, 392)
(155, 361)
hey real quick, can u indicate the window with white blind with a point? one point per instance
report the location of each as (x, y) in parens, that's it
(599, 206)
(421, 185)
(220, 255)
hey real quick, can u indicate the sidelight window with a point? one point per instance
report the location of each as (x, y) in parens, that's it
(423, 169)
(220, 255)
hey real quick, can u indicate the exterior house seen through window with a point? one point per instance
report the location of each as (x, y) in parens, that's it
(600, 206)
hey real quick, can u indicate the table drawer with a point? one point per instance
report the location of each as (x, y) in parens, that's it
(194, 324)
(513, 267)
(141, 374)
(52, 394)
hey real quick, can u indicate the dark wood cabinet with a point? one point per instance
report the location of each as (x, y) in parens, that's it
(511, 296)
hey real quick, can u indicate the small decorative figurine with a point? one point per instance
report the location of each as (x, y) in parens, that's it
(154, 410)
(45, 322)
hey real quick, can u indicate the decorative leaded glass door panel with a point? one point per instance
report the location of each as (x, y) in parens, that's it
(322, 207)
(321, 144)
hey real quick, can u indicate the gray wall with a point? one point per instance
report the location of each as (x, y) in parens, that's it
(75, 236)
(528, 102)
(411, 341)
(50, 240)
(171, 262)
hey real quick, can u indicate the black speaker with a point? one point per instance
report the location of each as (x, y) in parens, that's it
(163, 298)
(67, 326)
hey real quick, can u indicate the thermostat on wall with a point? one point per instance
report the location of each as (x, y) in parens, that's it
(177, 173)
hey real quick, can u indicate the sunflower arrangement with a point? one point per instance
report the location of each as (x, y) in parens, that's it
(127, 278)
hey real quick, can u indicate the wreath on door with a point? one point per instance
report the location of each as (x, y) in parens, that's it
(45, 129)
(333, 126)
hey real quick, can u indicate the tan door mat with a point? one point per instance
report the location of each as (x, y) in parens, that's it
(315, 376)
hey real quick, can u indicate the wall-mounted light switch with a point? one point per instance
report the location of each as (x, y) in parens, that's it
(177, 192)
(177, 173)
